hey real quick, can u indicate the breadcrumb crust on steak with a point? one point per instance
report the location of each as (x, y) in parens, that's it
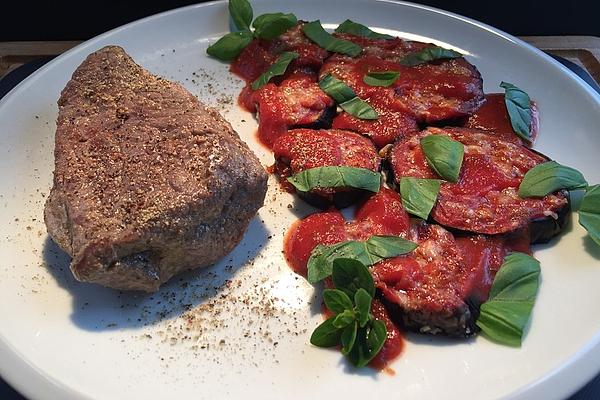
(148, 181)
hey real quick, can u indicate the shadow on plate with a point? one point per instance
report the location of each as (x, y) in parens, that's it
(435, 340)
(96, 308)
(591, 247)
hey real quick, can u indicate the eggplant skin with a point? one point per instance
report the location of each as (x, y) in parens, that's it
(324, 121)
(341, 198)
(458, 323)
(541, 230)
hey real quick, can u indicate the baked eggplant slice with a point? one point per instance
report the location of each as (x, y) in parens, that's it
(303, 149)
(297, 102)
(484, 199)
(430, 92)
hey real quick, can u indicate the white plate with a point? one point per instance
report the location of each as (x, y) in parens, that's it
(60, 339)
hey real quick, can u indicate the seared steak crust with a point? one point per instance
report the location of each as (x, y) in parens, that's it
(148, 181)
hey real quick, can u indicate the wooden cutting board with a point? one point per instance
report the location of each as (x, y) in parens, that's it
(582, 50)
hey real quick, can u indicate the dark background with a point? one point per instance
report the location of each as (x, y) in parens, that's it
(24, 20)
(65, 20)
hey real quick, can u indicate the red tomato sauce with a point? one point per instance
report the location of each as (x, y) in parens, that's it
(253, 61)
(484, 256)
(493, 116)
(394, 343)
(304, 235)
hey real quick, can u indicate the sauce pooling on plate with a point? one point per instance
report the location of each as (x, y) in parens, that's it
(492, 116)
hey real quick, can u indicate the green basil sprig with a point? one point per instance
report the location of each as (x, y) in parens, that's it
(266, 26)
(375, 249)
(506, 312)
(518, 105)
(241, 13)
(382, 79)
(549, 177)
(427, 55)
(346, 98)
(352, 326)
(276, 69)
(589, 212)
(315, 32)
(419, 195)
(356, 29)
(444, 155)
(269, 26)
(336, 177)
(230, 46)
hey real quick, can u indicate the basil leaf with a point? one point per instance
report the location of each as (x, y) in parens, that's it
(504, 315)
(315, 32)
(356, 29)
(276, 69)
(428, 54)
(380, 247)
(270, 26)
(444, 155)
(326, 335)
(230, 46)
(344, 319)
(346, 98)
(516, 278)
(518, 105)
(549, 177)
(376, 337)
(363, 306)
(349, 337)
(382, 79)
(336, 300)
(240, 12)
(336, 177)
(419, 195)
(589, 212)
(350, 275)
(359, 108)
(336, 89)
(369, 341)
(320, 263)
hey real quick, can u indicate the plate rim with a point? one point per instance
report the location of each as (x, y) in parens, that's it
(35, 383)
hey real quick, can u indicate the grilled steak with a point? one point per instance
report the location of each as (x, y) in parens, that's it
(485, 199)
(302, 149)
(148, 182)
